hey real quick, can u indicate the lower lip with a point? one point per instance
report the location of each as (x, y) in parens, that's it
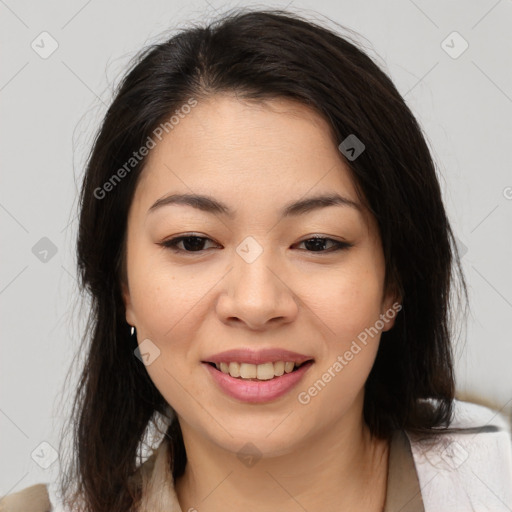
(252, 391)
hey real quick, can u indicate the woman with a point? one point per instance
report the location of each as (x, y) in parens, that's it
(270, 264)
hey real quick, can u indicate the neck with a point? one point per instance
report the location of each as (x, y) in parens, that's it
(344, 468)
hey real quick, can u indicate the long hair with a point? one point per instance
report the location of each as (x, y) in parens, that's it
(260, 55)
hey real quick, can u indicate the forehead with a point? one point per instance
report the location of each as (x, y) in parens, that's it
(245, 152)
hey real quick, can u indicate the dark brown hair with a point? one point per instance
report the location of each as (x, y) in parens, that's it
(262, 55)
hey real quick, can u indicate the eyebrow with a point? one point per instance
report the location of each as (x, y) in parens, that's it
(211, 205)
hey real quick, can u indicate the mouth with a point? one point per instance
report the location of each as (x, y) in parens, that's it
(257, 383)
(258, 372)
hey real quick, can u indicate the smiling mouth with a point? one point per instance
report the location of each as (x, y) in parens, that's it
(258, 372)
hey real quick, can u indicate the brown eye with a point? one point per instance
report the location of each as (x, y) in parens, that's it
(190, 243)
(317, 244)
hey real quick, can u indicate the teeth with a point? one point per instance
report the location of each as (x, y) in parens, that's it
(265, 371)
(288, 367)
(248, 371)
(279, 368)
(234, 369)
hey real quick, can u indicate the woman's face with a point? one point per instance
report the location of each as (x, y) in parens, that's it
(256, 284)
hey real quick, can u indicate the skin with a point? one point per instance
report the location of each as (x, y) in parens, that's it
(257, 157)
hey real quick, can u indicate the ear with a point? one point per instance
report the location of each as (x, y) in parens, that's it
(130, 313)
(391, 305)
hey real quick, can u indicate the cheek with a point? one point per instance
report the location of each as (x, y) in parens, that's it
(168, 305)
(161, 294)
(350, 306)
(171, 304)
(349, 301)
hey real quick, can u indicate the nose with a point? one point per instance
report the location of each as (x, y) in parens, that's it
(257, 294)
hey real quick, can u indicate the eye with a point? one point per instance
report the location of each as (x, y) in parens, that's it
(316, 243)
(192, 243)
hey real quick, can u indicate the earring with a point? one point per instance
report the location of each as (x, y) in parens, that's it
(132, 331)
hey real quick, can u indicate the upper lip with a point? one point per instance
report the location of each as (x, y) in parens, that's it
(243, 355)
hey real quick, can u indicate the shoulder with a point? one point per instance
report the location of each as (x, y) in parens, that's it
(470, 415)
(470, 465)
(31, 499)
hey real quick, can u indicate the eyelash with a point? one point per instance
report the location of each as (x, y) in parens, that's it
(173, 242)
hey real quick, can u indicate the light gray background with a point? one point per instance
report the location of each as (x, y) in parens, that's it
(51, 107)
